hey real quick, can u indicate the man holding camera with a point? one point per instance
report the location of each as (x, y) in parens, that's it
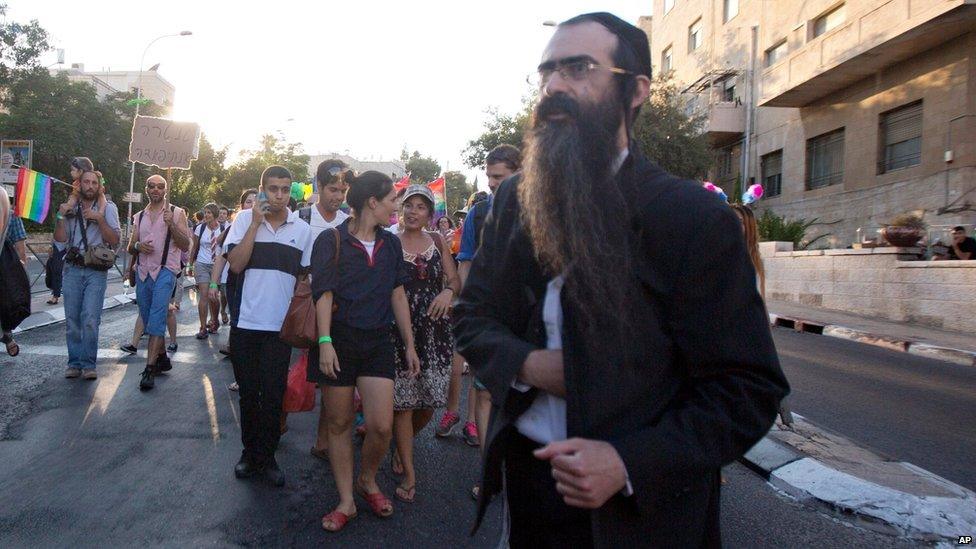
(91, 236)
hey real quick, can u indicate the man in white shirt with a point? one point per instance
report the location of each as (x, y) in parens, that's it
(268, 247)
(325, 214)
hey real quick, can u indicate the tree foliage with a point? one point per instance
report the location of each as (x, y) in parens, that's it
(457, 191)
(193, 188)
(21, 45)
(246, 172)
(669, 136)
(499, 128)
(422, 169)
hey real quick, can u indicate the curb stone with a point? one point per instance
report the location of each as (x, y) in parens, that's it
(947, 354)
(54, 316)
(880, 508)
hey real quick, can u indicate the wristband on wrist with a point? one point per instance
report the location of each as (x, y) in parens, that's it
(59, 216)
(325, 339)
(213, 286)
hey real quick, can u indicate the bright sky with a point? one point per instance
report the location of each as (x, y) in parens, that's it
(367, 77)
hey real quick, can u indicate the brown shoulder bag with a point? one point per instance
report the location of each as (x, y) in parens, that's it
(300, 327)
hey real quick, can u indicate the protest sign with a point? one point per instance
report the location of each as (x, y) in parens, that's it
(164, 143)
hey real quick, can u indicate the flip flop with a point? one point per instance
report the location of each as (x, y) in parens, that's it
(202, 334)
(338, 520)
(396, 464)
(410, 493)
(379, 504)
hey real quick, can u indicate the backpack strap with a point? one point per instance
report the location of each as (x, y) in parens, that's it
(169, 237)
(306, 215)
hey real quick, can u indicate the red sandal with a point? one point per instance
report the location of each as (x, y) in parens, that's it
(338, 520)
(379, 504)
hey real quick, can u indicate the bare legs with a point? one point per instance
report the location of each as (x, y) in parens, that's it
(406, 425)
(377, 395)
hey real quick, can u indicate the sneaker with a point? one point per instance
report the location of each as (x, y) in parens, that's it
(447, 423)
(89, 374)
(72, 373)
(129, 348)
(470, 434)
(172, 347)
(163, 363)
(148, 380)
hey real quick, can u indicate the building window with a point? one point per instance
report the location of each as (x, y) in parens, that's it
(731, 10)
(694, 36)
(666, 59)
(728, 89)
(775, 53)
(825, 159)
(772, 173)
(829, 21)
(900, 131)
(668, 6)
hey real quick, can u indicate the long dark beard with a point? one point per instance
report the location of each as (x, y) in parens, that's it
(577, 216)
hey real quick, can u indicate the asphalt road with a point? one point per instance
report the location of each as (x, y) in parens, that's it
(903, 406)
(101, 464)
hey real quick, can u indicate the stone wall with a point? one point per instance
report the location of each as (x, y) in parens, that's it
(879, 282)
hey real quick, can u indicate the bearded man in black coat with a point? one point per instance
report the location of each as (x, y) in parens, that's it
(626, 366)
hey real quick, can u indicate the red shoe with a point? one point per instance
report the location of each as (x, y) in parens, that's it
(338, 519)
(447, 423)
(471, 434)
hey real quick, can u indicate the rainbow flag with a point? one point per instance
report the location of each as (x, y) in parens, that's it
(33, 195)
(439, 188)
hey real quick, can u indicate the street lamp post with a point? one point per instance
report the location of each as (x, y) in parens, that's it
(132, 172)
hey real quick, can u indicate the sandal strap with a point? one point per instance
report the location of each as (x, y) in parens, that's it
(338, 519)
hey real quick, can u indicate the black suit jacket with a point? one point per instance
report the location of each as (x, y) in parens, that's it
(708, 381)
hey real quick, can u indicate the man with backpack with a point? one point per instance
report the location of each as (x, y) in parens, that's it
(158, 240)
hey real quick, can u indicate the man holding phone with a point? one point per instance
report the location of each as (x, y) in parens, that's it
(269, 248)
(159, 238)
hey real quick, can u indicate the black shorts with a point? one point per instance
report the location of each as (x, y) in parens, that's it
(362, 353)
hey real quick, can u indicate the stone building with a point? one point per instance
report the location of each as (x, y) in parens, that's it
(106, 83)
(847, 111)
(393, 168)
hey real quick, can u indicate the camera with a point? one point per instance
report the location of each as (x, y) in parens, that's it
(74, 256)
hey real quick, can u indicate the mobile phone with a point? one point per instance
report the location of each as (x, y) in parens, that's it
(263, 202)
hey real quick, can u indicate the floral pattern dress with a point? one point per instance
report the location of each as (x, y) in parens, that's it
(433, 339)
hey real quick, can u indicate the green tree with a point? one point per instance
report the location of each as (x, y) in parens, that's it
(458, 190)
(500, 129)
(193, 188)
(422, 169)
(21, 46)
(246, 172)
(667, 135)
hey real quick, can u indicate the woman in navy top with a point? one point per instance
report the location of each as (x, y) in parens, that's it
(355, 342)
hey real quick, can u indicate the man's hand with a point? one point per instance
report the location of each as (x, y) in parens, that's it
(63, 209)
(145, 248)
(93, 215)
(168, 217)
(587, 472)
(257, 212)
(544, 369)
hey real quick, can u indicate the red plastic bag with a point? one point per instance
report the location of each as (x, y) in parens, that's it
(299, 393)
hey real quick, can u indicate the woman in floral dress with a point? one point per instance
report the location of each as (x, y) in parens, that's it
(434, 281)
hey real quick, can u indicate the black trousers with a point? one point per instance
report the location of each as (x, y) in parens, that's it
(538, 516)
(260, 362)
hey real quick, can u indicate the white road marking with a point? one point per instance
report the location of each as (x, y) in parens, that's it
(211, 408)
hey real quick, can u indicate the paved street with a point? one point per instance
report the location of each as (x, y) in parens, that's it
(906, 407)
(101, 464)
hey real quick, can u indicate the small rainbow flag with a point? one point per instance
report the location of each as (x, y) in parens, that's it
(33, 195)
(439, 188)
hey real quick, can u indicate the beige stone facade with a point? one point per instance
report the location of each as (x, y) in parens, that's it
(861, 75)
(877, 282)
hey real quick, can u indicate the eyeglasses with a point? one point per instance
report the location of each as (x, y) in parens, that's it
(574, 71)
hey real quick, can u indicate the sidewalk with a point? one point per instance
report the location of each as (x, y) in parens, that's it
(956, 347)
(43, 314)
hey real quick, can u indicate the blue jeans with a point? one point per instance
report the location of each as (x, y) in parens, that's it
(84, 294)
(153, 297)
